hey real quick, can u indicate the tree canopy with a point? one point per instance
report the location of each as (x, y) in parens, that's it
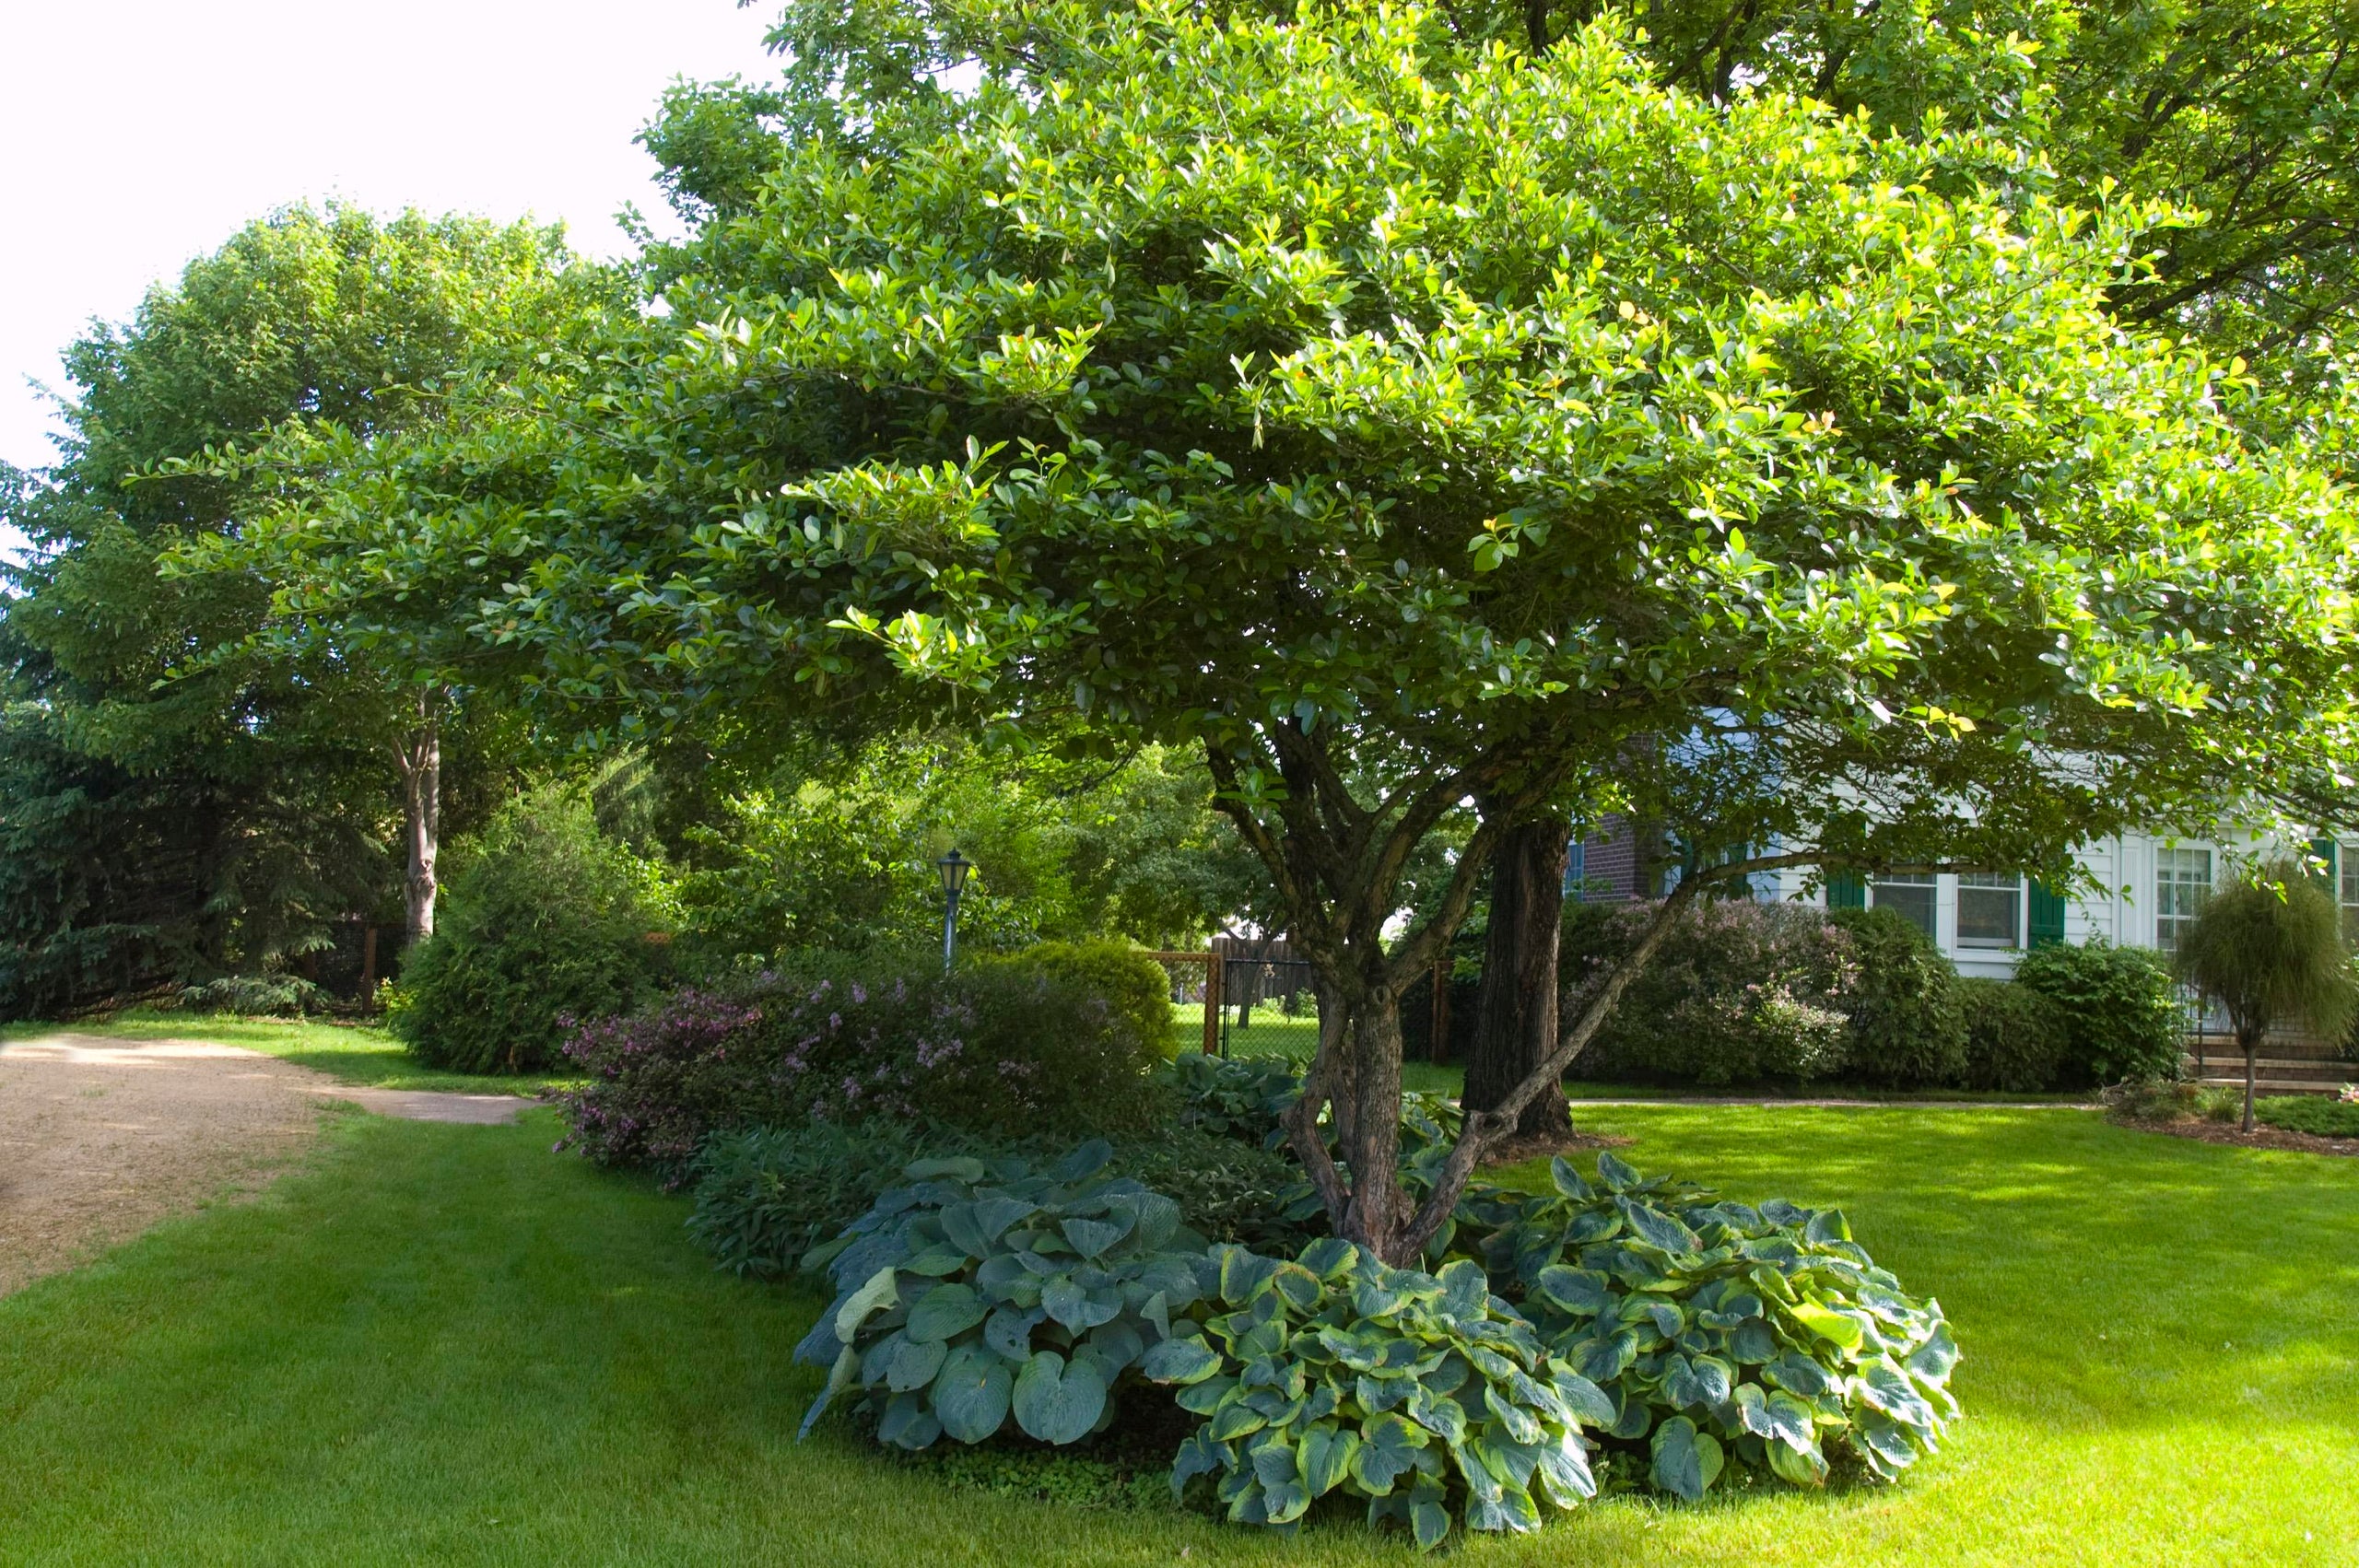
(1401, 419)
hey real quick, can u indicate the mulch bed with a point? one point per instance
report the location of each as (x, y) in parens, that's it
(1515, 1150)
(2262, 1137)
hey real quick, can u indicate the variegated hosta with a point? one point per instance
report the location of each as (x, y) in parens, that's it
(1425, 1395)
(983, 1288)
(1719, 1330)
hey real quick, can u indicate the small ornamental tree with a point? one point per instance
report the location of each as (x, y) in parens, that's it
(2268, 947)
(1408, 423)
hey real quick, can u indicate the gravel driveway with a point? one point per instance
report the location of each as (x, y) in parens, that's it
(101, 1138)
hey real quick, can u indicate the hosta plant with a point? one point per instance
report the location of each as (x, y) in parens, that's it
(984, 1290)
(1720, 1331)
(1422, 1394)
(1236, 1097)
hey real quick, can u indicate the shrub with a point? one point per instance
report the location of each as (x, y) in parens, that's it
(2309, 1113)
(1136, 986)
(255, 996)
(2014, 1036)
(1236, 1097)
(765, 1196)
(1908, 1029)
(993, 1050)
(1717, 1332)
(1422, 1395)
(544, 921)
(981, 1291)
(1227, 1190)
(1739, 992)
(2120, 1009)
(2170, 1099)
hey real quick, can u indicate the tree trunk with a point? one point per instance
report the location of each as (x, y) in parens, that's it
(2251, 1043)
(1357, 1080)
(421, 762)
(1515, 1013)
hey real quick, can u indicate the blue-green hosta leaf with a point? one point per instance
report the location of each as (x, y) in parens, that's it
(971, 1393)
(1199, 1455)
(1886, 1444)
(1326, 1454)
(1617, 1176)
(959, 1226)
(1656, 1228)
(946, 1312)
(1536, 1248)
(1777, 1212)
(1564, 1472)
(1374, 1302)
(1664, 1318)
(1116, 1345)
(1388, 1451)
(839, 1377)
(1802, 1467)
(1789, 1422)
(1180, 1361)
(1522, 1424)
(1057, 1401)
(936, 1261)
(1568, 1180)
(1156, 1220)
(1095, 1239)
(909, 1423)
(1445, 1418)
(1009, 1330)
(1584, 1292)
(1798, 1373)
(1752, 1342)
(1242, 1274)
(1595, 1225)
(958, 1168)
(1204, 1398)
(1300, 1289)
(1429, 1521)
(914, 1363)
(1602, 1360)
(1235, 1420)
(880, 1293)
(1511, 1510)
(1329, 1257)
(1888, 1389)
(1466, 1290)
(1687, 1461)
(1085, 1161)
(1584, 1398)
(1827, 1225)
(1935, 1357)
(1632, 1415)
(1378, 1395)
(1076, 1309)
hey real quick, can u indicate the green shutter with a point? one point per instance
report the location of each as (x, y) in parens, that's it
(2047, 916)
(2323, 851)
(1844, 891)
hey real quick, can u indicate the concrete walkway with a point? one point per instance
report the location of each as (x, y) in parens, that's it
(1774, 1102)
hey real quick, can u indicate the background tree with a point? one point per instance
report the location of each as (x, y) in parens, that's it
(1406, 423)
(2268, 948)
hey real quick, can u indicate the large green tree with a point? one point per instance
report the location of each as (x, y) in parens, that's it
(1405, 423)
(230, 797)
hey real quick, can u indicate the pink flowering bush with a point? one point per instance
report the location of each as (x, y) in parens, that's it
(996, 1049)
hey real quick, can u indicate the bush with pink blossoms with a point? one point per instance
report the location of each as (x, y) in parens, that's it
(995, 1050)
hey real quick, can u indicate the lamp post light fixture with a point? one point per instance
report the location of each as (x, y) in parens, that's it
(955, 868)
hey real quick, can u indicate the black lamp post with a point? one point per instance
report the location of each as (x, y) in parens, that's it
(955, 868)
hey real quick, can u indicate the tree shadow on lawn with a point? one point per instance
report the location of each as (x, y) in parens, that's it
(2094, 1276)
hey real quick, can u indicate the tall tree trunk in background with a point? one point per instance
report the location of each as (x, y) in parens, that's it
(1515, 1011)
(420, 755)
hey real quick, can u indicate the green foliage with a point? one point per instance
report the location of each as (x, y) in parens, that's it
(1134, 987)
(1045, 1475)
(255, 996)
(1239, 1097)
(2121, 1012)
(1718, 1333)
(1227, 1190)
(2309, 1113)
(1421, 1394)
(984, 1290)
(765, 1196)
(1740, 992)
(2015, 1035)
(2269, 948)
(546, 921)
(1908, 1029)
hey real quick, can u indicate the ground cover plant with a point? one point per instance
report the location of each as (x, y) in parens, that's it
(504, 1358)
(2309, 1113)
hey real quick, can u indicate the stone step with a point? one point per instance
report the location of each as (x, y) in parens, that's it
(2274, 1085)
(2324, 1072)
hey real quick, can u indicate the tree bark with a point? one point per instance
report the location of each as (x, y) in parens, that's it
(420, 756)
(1515, 1013)
(2251, 1043)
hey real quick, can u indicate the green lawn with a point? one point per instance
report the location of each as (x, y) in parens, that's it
(442, 1344)
(357, 1054)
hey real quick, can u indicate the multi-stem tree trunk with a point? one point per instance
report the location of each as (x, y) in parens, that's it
(1515, 1013)
(2249, 1039)
(420, 756)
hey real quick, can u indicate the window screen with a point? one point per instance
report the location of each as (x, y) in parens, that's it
(2182, 883)
(1989, 909)
(1909, 894)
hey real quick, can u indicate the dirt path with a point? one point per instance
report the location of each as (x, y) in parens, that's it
(101, 1138)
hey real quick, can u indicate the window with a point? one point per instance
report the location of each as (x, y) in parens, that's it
(2350, 883)
(1575, 869)
(1909, 894)
(1989, 909)
(2182, 883)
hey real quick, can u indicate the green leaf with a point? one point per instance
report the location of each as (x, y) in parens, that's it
(1802, 1467)
(879, 1294)
(960, 1168)
(1326, 1452)
(1301, 1288)
(1617, 1176)
(1009, 1330)
(971, 1393)
(944, 1312)
(1056, 1401)
(1568, 1180)
(1074, 1307)
(1687, 1461)
(1564, 1472)
(1180, 1361)
(1388, 1451)
(914, 1365)
(1584, 1292)
(1095, 1239)
(1430, 1521)
(1828, 1324)
(1329, 1257)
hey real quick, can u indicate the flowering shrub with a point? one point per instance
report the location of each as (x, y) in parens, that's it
(1739, 992)
(996, 1050)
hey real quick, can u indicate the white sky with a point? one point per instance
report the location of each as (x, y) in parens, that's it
(136, 135)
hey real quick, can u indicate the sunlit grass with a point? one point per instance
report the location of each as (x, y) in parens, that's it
(358, 1053)
(444, 1344)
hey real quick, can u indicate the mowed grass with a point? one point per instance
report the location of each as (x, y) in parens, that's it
(444, 1344)
(358, 1053)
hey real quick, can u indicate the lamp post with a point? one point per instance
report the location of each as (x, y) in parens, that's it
(955, 868)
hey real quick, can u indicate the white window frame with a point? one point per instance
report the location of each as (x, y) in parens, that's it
(2011, 886)
(1912, 881)
(2182, 886)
